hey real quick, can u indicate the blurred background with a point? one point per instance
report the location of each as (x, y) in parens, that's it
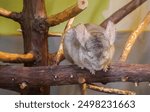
(97, 11)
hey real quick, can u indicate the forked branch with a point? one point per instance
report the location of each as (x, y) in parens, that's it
(68, 13)
(16, 58)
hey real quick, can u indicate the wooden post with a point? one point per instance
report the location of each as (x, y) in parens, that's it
(35, 33)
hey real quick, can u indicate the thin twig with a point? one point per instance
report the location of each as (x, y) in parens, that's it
(60, 54)
(16, 58)
(54, 34)
(124, 11)
(109, 90)
(132, 38)
(68, 13)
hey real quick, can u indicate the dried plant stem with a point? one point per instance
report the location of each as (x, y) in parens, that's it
(68, 13)
(16, 58)
(109, 90)
(132, 38)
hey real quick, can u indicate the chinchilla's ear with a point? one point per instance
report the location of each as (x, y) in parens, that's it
(110, 32)
(82, 34)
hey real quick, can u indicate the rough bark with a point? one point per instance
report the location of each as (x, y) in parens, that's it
(35, 33)
(71, 74)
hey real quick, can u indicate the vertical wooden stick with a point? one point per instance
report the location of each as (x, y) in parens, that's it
(83, 88)
(35, 34)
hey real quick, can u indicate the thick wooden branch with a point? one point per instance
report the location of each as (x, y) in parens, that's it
(11, 15)
(16, 58)
(63, 75)
(67, 14)
(132, 38)
(124, 11)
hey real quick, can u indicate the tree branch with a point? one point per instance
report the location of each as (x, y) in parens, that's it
(60, 53)
(132, 38)
(109, 90)
(54, 34)
(5, 13)
(67, 14)
(124, 11)
(63, 75)
(11, 15)
(16, 58)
